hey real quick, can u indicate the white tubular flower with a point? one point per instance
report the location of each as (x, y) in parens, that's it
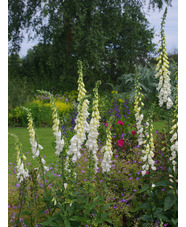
(137, 108)
(43, 161)
(22, 172)
(82, 125)
(107, 149)
(56, 128)
(67, 165)
(34, 145)
(91, 143)
(169, 103)
(148, 150)
(56, 125)
(174, 133)
(78, 139)
(85, 115)
(46, 168)
(81, 95)
(164, 87)
(65, 186)
(81, 85)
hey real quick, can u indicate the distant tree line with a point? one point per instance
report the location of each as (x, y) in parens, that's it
(110, 37)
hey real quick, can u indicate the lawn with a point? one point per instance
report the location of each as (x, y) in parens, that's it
(47, 140)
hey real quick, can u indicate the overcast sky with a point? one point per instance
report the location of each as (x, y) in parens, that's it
(154, 17)
(171, 25)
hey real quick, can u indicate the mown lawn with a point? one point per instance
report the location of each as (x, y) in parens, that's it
(45, 137)
(47, 140)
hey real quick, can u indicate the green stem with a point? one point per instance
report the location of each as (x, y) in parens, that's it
(43, 177)
(89, 177)
(150, 197)
(103, 197)
(22, 195)
(62, 172)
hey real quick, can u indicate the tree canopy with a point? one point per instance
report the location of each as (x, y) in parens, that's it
(109, 36)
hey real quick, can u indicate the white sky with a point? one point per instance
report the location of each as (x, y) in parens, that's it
(171, 25)
(154, 17)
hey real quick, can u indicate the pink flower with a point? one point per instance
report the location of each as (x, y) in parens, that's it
(107, 125)
(120, 142)
(120, 122)
(133, 132)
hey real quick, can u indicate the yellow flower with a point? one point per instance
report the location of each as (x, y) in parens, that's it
(121, 100)
(63, 107)
(114, 92)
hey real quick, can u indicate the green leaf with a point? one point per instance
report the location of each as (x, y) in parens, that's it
(145, 206)
(158, 211)
(67, 223)
(99, 221)
(168, 203)
(108, 220)
(162, 183)
(145, 188)
(50, 220)
(48, 223)
(105, 207)
(95, 199)
(163, 217)
(92, 206)
(26, 213)
(100, 197)
(75, 218)
(146, 217)
(174, 221)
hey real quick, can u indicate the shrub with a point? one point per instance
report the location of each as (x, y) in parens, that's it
(41, 112)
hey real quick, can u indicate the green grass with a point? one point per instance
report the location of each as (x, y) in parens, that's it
(44, 136)
(159, 126)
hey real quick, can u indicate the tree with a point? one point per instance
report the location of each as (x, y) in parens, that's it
(107, 35)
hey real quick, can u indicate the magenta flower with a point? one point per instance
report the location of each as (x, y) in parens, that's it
(120, 122)
(120, 142)
(133, 132)
(107, 125)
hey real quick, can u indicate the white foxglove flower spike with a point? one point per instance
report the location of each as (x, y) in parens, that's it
(107, 149)
(164, 87)
(91, 143)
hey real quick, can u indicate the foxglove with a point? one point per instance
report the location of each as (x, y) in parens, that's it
(82, 125)
(164, 87)
(107, 150)
(91, 143)
(148, 150)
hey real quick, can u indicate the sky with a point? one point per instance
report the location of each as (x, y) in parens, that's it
(154, 17)
(171, 25)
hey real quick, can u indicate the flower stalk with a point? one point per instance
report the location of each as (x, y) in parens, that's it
(174, 132)
(138, 105)
(164, 87)
(82, 126)
(22, 172)
(91, 143)
(56, 124)
(107, 149)
(148, 150)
